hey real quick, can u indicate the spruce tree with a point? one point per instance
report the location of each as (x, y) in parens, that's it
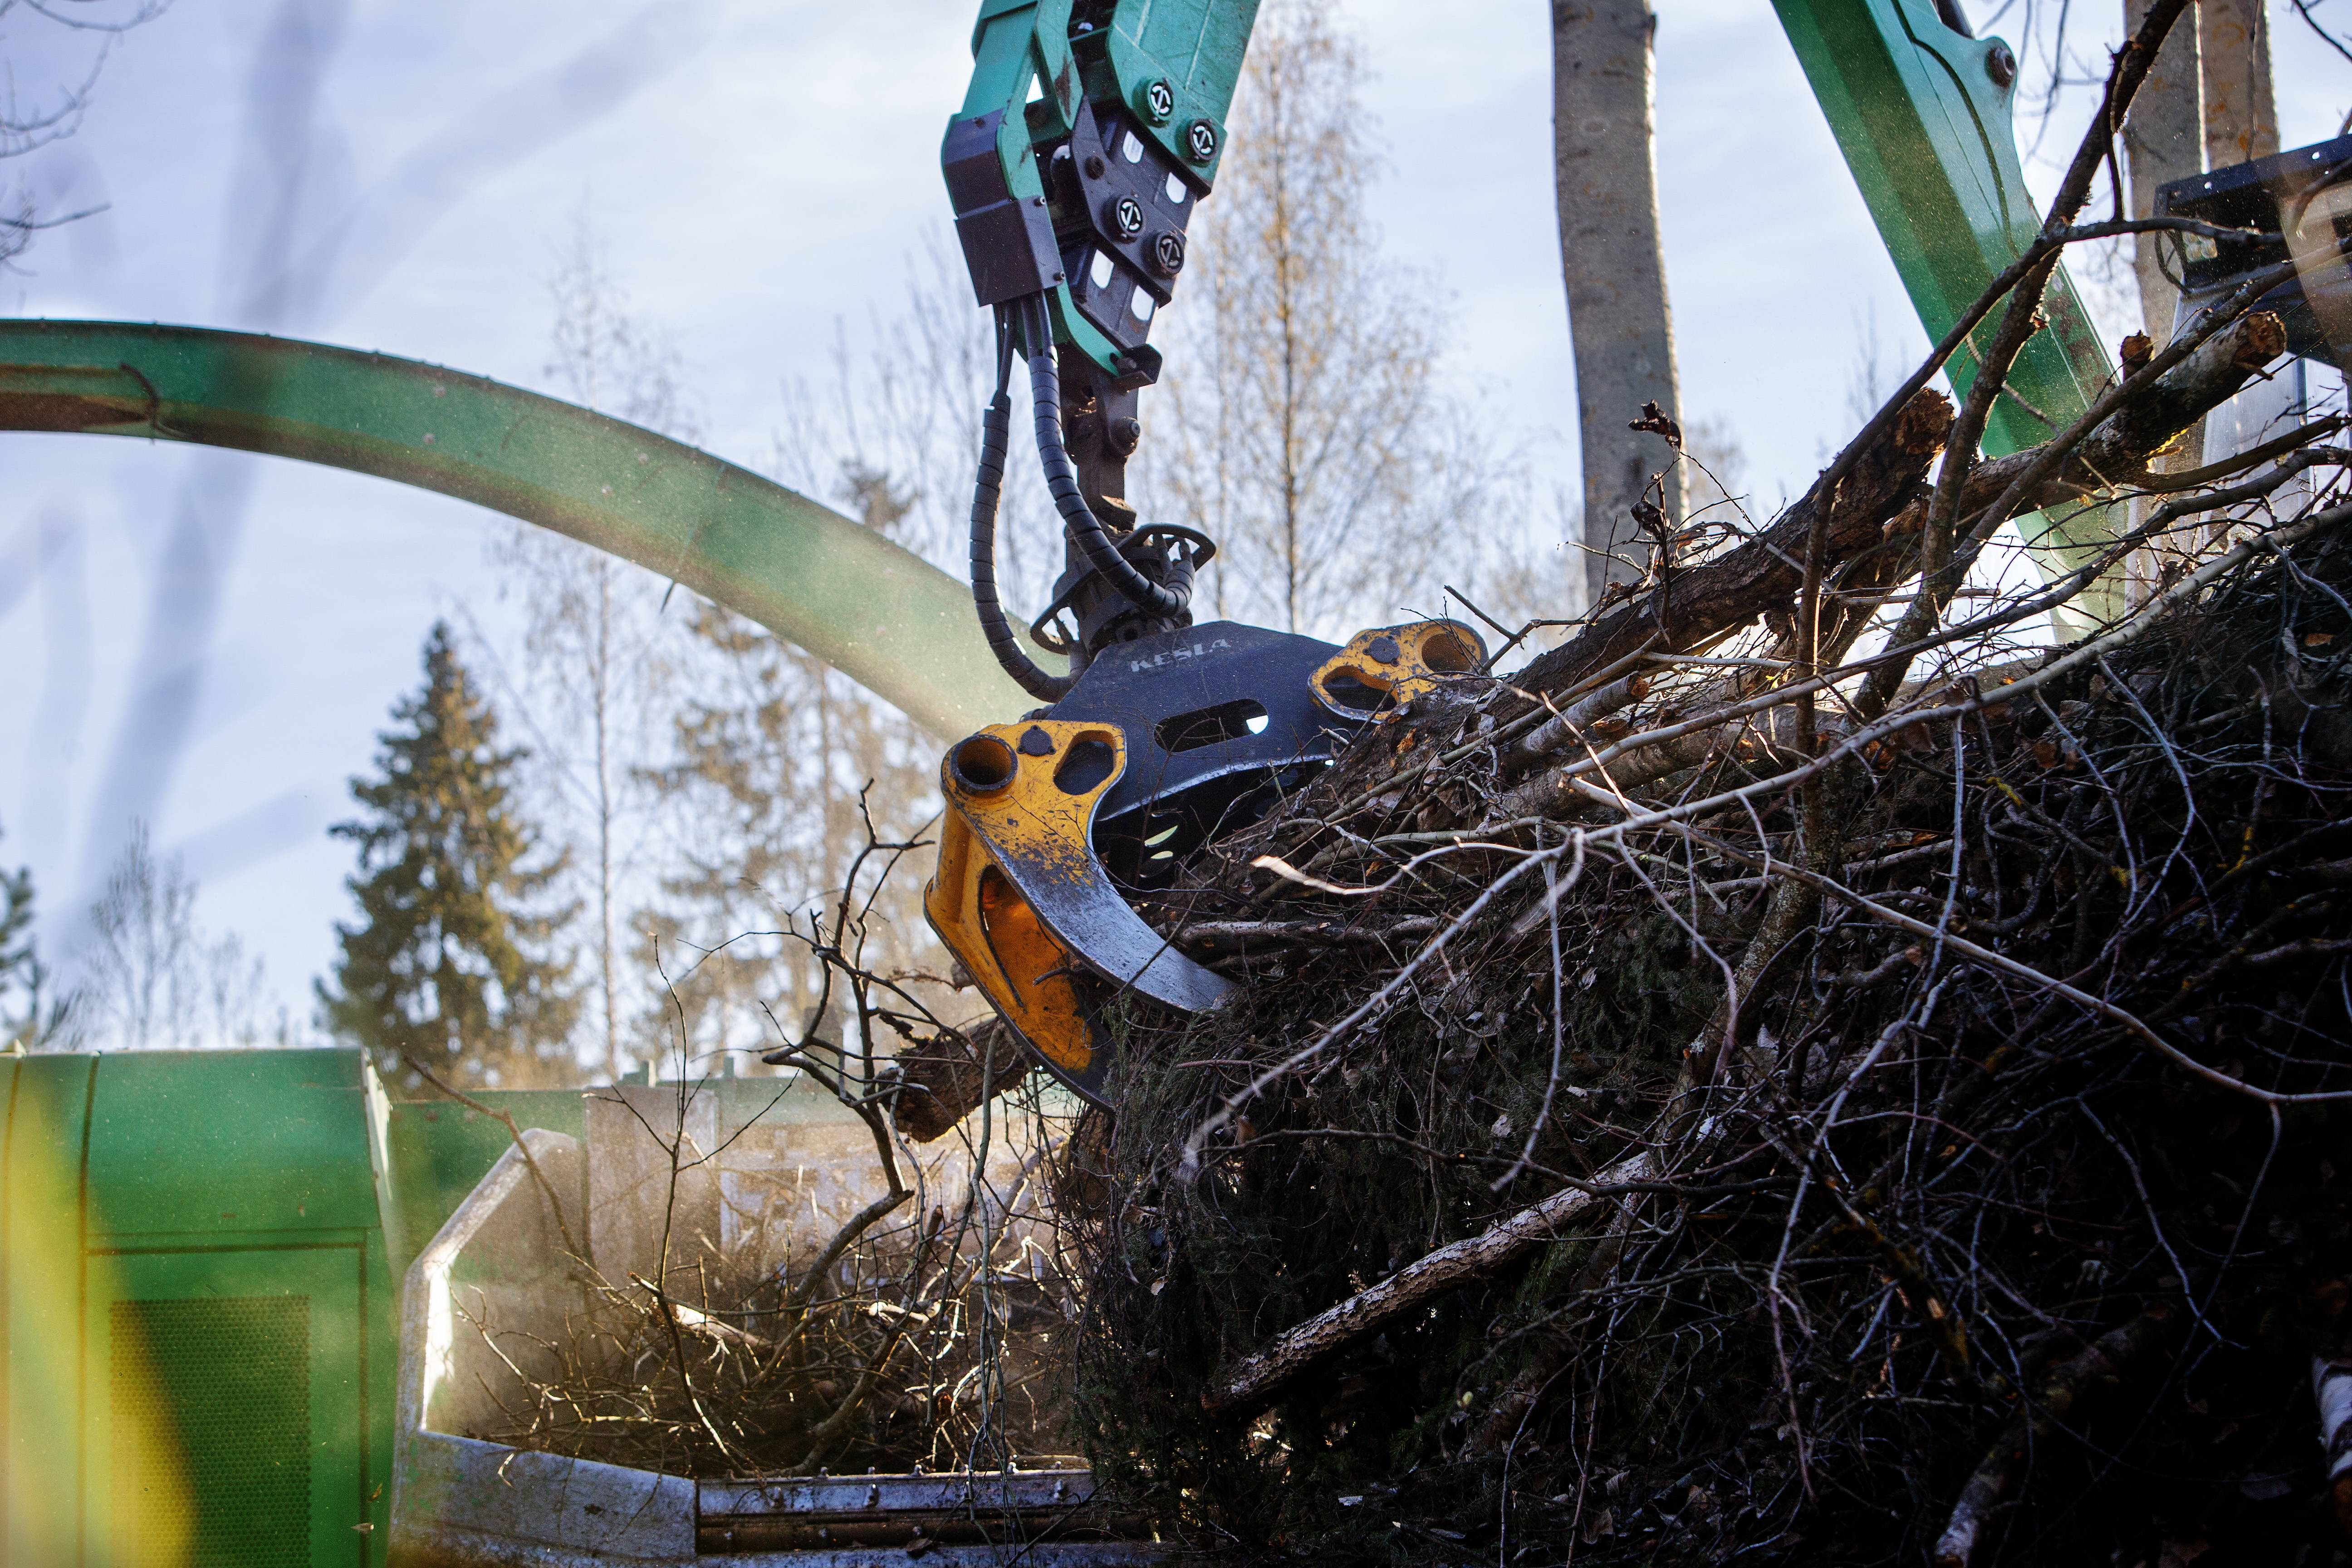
(449, 963)
(21, 974)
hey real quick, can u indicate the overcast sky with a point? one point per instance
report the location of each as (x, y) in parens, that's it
(395, 174)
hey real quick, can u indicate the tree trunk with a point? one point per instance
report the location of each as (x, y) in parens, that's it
(1619, 323)
(2164, 137)
(2233, 49)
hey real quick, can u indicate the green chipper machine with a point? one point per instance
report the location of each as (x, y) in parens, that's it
(204, 1253)
(224, 1335)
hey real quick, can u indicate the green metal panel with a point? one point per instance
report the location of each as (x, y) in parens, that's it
(882, 616)
(441, 1151)
(179, 1203)
(1924, 122)
(222, 1144)
(233, 1406)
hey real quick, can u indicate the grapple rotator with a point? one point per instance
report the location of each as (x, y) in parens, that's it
(1072, 208)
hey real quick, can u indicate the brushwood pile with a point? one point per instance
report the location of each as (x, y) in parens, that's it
(1930, 1121)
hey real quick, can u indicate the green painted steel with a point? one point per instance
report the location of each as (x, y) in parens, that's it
(1021, 46)
(882, 616)
(199, 1339)
(200, 1260)
(1922, 114)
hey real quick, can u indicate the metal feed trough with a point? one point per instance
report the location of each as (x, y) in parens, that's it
(207, 1359)
(485, 1303)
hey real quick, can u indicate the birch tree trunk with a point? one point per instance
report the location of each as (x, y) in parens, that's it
(2233, 49)
(2164, 138)
(1619, 323)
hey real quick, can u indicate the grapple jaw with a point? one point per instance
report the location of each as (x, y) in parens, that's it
(1056, 824)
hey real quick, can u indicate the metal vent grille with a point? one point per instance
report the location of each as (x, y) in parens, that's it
(229, 1379)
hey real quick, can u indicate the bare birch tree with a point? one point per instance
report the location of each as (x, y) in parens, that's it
(1619, 322)
(2206, 104)
(776, 763)
(154, 980)
(775, 759)
(2233, 63)
(27, 126)
(1301, 423)
(598, 667)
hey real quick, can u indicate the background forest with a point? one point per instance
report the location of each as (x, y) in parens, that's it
(652, 792)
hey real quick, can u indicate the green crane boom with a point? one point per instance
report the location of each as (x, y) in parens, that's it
(1922, 113)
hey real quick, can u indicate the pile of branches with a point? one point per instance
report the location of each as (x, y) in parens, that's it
(930, 1330)
(1797, 1071)
(935, 1341)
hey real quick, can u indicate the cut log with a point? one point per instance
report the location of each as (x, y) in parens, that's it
(940, 1080)
(1245, 1383)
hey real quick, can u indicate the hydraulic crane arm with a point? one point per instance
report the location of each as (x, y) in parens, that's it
(1091, 130)
(1922, 113)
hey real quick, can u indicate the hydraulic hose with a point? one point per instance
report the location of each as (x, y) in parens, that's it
(995, 437)
(1062, 481)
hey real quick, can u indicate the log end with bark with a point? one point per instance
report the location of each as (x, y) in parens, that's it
(941, 1079)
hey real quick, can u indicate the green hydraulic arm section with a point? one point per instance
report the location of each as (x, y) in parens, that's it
(882, 616)
(1922, 113)
(1039, 69)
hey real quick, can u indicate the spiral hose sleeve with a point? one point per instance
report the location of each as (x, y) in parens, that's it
(995, 438)
(1062, 483)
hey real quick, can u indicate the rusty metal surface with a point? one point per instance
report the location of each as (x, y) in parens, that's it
(1018, 848)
